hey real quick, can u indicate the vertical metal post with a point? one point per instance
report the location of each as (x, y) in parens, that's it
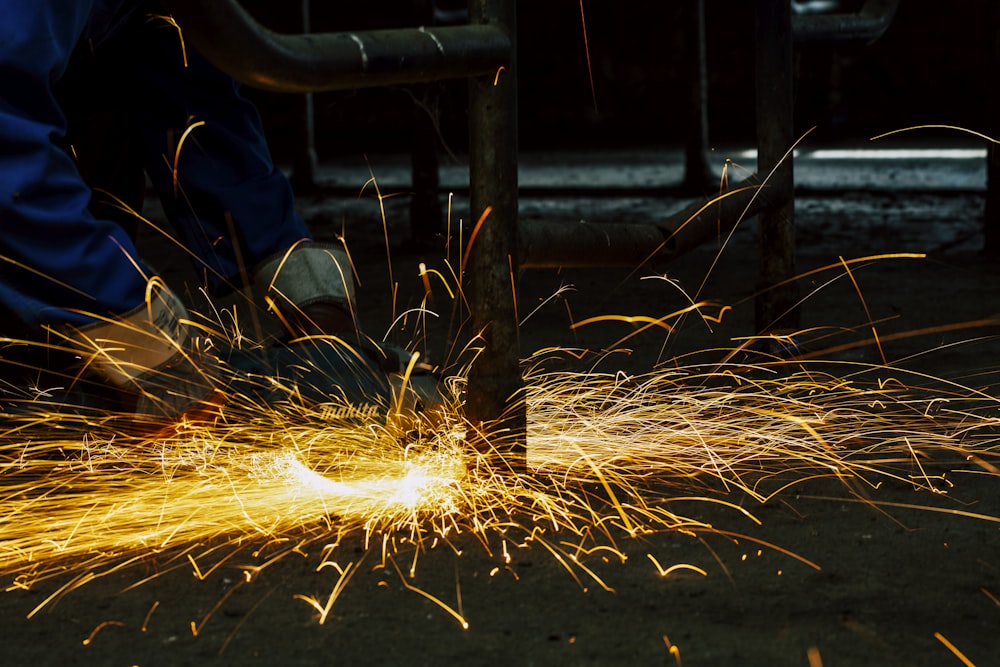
(991, 214)
(304, 161)
(495, 390)
(697, 174)
(775, 306)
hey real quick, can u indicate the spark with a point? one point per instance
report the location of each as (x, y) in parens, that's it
(954, 649)
(324, 610)
(93, 633)
(610, 457)
(177, 153)
(372, 181)
(472, 238)
(44, 276)
(606, 455)
(180, 34)
(586, 49)
(935, 126)
(410, 587)
(149, 615)
(993, 598)
(864, 304)
(673, 650)
(667, 571)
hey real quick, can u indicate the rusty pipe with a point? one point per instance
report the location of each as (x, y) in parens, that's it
(861, 28)
(548, 244)
(234, 42)
(777, 296)
(495, 398)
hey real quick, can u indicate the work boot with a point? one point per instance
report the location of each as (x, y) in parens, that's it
(310, 289)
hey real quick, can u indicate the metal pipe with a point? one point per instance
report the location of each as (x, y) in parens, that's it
(233, 41)
(777, 294)
(548, 244)
(494, 400)
(862, 28)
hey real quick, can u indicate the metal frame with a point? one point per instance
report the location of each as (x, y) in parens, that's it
(485, 52)
(495, 387)
(311, 63)
(860, 29)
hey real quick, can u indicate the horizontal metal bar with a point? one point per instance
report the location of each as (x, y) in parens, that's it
(233, 41)
(862, 28)
(547, 244)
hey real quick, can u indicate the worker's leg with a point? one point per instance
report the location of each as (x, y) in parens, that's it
(102, 133)
(57, 262)
(208, 159)
(64, 273)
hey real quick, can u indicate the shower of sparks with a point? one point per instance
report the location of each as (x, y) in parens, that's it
(609, 456)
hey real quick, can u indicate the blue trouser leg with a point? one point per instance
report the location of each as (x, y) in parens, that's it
(228, 200)
(59, 264)
(57, 261)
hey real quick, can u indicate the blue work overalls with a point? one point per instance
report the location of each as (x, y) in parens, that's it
(60, 263)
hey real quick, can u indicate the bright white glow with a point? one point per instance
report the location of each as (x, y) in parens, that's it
(751, 154)
(884, 154)
(899, 154)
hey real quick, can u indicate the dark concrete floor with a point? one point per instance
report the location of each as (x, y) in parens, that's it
(890, 578)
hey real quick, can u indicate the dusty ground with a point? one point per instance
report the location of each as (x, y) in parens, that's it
(888, 577)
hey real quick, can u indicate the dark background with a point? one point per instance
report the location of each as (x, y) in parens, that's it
(933, 65)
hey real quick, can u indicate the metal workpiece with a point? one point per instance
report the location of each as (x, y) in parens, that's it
(237, 44)
(861, 28)
(553, 244)
(495, 399)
